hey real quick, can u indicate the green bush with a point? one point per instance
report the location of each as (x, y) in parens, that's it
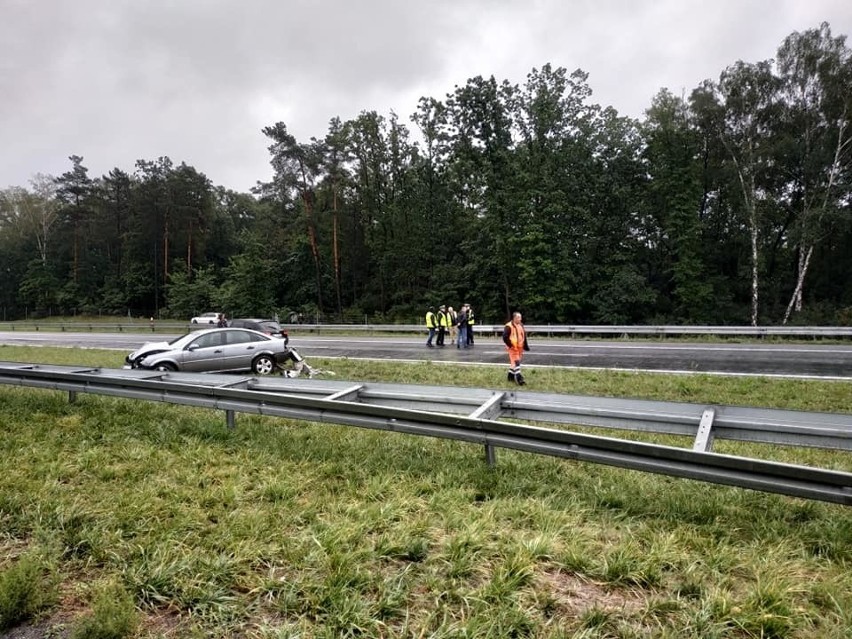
(24, 591)
(113, 616)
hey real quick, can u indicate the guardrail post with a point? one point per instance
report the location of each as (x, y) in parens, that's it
(229, 419)
(72, 397)
(490, 455)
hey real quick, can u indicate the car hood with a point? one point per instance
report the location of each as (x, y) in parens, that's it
(149, 348)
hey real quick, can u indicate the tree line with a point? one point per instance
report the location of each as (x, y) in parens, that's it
(727, 206)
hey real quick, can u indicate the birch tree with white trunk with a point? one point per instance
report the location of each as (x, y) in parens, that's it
(32, 212)
(747, 94)
(816, 71)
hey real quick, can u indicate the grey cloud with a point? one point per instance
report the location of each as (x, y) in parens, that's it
(119, 80)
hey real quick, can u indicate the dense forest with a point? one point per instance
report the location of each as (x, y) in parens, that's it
(730, 205)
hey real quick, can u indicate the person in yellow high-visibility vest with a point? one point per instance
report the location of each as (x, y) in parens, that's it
(471, 321)
(515, 339)
(431, 325)
(443, 325)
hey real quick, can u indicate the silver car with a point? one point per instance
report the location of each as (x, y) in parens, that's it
(213, 350)
(205, 318)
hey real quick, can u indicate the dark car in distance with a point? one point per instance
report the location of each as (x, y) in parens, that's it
(265, 326)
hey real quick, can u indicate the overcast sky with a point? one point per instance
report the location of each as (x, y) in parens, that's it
(197, 80)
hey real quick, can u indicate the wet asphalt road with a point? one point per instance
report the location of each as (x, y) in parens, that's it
(816, 360)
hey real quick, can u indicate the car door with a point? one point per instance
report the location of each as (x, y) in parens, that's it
(241, 348)
(204, 354)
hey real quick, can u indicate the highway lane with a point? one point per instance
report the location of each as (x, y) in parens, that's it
(816, 360)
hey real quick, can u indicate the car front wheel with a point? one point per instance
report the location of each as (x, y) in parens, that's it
(263, 365)
(165, 367)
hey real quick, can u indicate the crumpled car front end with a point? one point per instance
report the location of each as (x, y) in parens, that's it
(137, 357)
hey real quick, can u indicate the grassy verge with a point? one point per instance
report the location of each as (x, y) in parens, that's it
(143, 519)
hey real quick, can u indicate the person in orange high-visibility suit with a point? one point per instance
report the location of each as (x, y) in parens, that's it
(515, 339)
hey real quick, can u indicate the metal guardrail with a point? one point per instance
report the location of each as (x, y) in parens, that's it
(561, 330)
(106, 327)
(473, 415)
(571, 330)
(616, 331)
(734, 331)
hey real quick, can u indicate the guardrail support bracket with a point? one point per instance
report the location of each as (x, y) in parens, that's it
(704, 437)
(229, 418)
(491, 409)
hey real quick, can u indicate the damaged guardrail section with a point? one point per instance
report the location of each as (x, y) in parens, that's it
(474, 416)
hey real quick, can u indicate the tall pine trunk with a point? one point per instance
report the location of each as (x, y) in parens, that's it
(312, 240)
(336, 248)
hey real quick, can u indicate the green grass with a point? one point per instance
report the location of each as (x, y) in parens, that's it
(282, 528)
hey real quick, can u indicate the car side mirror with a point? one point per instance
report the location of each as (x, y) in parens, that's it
(192, 347)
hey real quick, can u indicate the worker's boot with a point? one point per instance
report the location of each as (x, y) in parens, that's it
(520, 379)
(510, 376)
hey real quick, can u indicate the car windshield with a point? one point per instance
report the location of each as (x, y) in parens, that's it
(271, 325)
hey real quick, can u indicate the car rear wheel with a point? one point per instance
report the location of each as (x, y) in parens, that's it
(165, 367)
(263, 365)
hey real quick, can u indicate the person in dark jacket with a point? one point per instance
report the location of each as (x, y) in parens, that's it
(515, 339)
(461, 320)
(471, 320)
